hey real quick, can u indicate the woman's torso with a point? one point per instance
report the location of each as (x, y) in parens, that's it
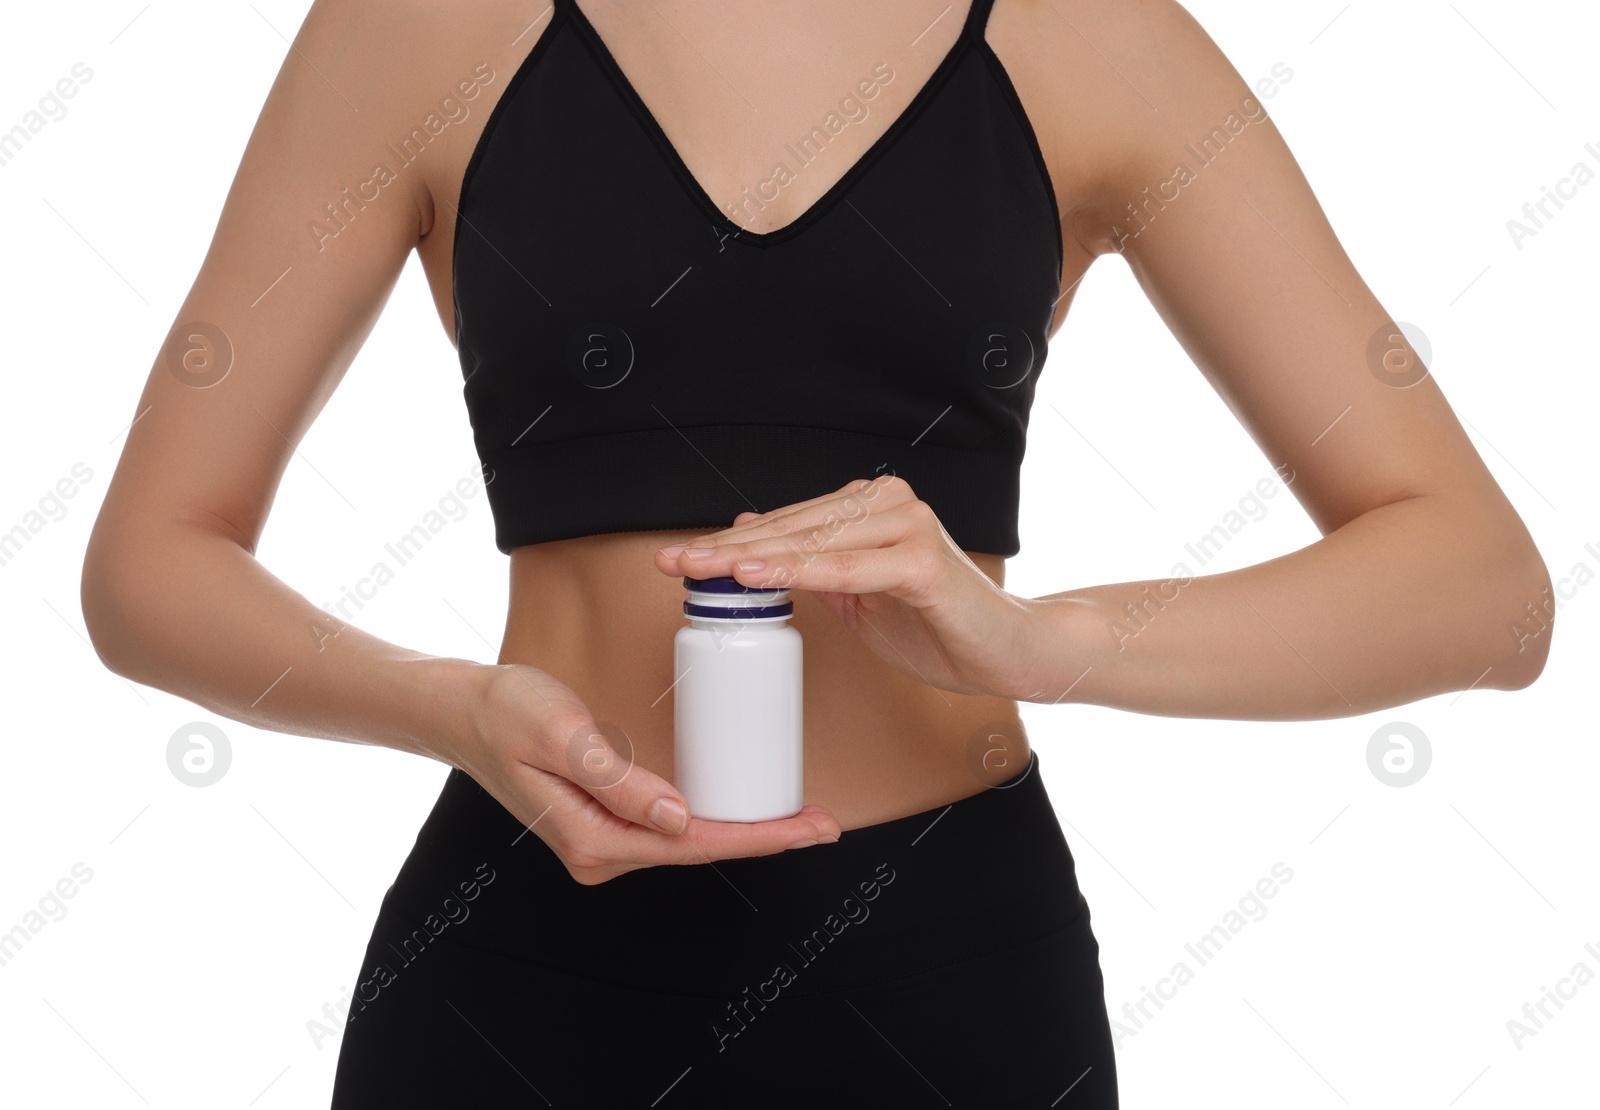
(593, 610)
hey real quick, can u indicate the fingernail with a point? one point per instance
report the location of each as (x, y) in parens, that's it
(700, 552)
(674, 549)
(668, 815)
(803, 843)
(750, 564)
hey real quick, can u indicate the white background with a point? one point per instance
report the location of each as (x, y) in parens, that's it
(1419, 920)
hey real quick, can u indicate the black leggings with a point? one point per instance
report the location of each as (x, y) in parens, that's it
(940, 959)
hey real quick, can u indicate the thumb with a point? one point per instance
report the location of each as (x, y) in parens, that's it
(600, 761)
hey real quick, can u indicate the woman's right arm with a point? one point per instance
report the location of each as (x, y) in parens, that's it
(172, 593)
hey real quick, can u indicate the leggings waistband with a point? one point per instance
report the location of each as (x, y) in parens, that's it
(987, 872)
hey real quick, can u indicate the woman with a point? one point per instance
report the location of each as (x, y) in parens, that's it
(745, 293)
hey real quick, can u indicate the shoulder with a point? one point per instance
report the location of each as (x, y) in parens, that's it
(405, 86)
(1119, 87)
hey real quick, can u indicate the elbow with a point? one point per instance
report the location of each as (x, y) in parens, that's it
(99, 614)
(102, 595)
(1529, 631)
(1524, 672)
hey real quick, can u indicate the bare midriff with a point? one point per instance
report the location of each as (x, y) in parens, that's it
(596, 613)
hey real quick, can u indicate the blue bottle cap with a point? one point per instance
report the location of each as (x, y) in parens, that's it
(724, 586)
(766, 604)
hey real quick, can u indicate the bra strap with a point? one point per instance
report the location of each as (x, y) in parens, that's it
(977, 18)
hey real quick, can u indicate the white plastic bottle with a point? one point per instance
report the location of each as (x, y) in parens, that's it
(736, 703)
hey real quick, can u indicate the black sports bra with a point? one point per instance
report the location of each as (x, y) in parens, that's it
(636, 360)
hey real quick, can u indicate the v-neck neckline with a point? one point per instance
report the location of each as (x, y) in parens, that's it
(831, 196)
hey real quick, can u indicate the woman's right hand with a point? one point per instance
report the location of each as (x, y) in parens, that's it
(536, 748)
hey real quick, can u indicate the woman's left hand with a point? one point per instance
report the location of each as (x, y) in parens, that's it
(877, 557)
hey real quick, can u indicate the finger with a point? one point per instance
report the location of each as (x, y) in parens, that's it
(905, 570)
(854, 498)
(713, 840)
(595, 842)
(876, 553)
(794, 539)
(670, 565)
(639, 799)
(622, 787)
(853, 502)
(708, 841)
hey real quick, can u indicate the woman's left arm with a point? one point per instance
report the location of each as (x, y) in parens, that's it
(1422, 580)
(1424, 576)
